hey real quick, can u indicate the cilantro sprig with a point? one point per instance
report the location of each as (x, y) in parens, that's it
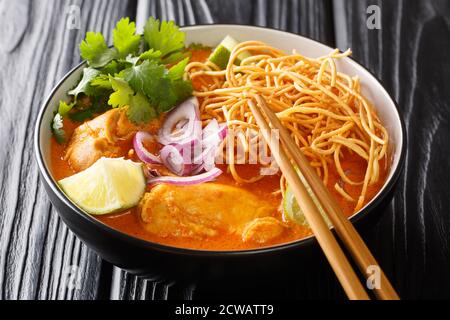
(163, 36)
(143, 73)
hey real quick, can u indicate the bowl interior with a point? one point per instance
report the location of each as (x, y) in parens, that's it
(211, 35)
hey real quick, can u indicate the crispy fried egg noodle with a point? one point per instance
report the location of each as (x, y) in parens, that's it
(323, 109)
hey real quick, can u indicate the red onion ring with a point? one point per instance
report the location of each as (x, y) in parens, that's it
(181, 133)
(213, 135)
(199, 168)
(143, 154)
(182, 124)
(213, 128)
(223, 130)
(172, 158)
(185, 181)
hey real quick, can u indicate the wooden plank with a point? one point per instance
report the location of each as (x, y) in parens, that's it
(410, 54)
(309, 18)
(39, 257)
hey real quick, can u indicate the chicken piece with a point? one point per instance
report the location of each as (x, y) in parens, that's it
(262, 230)
(202, 210)
(99, 137)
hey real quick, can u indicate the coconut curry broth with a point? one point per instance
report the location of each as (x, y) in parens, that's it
(266, 189)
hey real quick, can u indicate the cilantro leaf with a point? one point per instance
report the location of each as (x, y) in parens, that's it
(163, 88)
(84, 85)
(101, 82)
(133, 60)
(165, 36)
(58, 129)
(147, 55)
(122, 93)
(177, 71)
(151, 79)
(145, 77)
(125, 39)
(114, 67)
(95, 51)
(82, 115)
(177, 92)
(182, 89)
(177, 56)
(139, 107)
(150, 55)
(64, 107)
(140, 110)
(99, 105)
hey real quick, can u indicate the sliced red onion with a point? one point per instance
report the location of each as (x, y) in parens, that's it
(209, 158)
(173, 159)
(197, 169)
(189, 151)
(143, 154)
(206, 158)
(213, 128)
(151, 172)
(182, 124)
(181, 133)
(223, 130)
(188, 148)
(185, 181)
(213, 135)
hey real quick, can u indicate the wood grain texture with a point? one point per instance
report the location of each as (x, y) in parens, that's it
(410, 53)
(305, 17)
(38, 255)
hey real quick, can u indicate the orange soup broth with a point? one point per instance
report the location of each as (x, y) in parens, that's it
(129, 221)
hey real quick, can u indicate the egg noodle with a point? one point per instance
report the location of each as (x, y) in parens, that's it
(323, 109)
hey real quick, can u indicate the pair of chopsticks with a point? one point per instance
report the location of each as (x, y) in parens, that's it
(344, 229)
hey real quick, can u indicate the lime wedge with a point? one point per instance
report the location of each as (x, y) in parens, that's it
(292, 209)
(109, 185)
(221, 54)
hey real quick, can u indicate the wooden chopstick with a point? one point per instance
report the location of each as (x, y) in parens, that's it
(345, 230)
(338, 261)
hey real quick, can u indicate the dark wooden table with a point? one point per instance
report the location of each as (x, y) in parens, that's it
(41, 259)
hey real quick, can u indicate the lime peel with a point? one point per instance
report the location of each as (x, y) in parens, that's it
(292, 209)
(109, 185)
(221, 54)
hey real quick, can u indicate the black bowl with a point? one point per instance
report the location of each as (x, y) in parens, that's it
(155, 260)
